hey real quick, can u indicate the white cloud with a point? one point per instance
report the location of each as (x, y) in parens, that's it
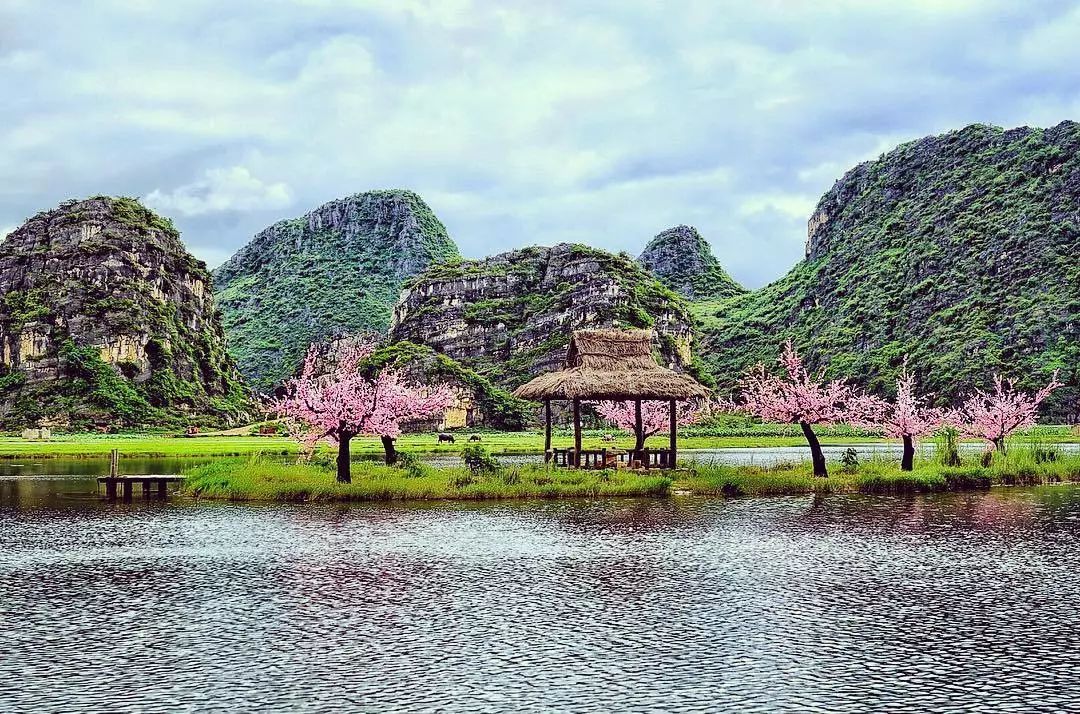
(793, 205)
(521, 123)
(231, 189)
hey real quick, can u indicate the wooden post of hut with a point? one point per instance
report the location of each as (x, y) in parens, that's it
(673, 441)
(547, 430)
(577, 433)
(616, 365)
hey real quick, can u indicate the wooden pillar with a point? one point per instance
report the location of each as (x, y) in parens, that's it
(129, 486)
(162, 488)
(110, 489)
(674, 434)
(577, 433)
(114, 463)
(637, 423)
(547, 430)
(146, 488)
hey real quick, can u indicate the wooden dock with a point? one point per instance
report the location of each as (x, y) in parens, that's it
(153, 485)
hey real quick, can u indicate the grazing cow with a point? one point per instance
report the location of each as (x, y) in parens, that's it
(474, 437)
(446, 438)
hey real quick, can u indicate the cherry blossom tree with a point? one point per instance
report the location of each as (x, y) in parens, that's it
(909, 418)
(798, 397)
(334, 400)
(993, 416)
(654, 417)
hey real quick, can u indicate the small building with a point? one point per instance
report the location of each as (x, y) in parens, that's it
(615, 365)
(37, 434)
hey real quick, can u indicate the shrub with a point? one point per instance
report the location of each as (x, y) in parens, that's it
(479, 460)
(947, 445)
(411, 464)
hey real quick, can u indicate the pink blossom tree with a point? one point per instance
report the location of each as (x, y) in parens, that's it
(654, 417)
(993, 416)
(909, 418)
(798, 397)
(334, 400)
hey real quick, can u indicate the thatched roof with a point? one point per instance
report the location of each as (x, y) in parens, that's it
(611, 364)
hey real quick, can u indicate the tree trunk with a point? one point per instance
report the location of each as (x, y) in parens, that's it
(389, 450)
(639, 428)
(815, 450)
(907, 461)
(344, 464)
(999, 444)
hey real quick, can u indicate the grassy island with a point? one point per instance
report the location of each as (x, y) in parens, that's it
(258, 479)
(255, 479)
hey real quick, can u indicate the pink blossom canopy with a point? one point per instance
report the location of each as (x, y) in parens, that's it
(994, 415)
(798, 396)
(341, 401)
(654, 415)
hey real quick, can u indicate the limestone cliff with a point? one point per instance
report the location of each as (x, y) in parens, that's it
(684, 262)
(509, 317)
(336, 270)
(106, 318)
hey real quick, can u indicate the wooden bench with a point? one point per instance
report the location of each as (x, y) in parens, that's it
(590, 458)
(651, 458)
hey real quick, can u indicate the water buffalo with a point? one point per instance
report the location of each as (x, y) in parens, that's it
(474, 437)
(446, 438)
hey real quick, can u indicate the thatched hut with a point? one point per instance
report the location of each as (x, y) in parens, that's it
(612, 365)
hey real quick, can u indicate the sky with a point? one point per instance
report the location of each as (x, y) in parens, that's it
(520, 123)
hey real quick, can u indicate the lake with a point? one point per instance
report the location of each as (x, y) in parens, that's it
(953, 602)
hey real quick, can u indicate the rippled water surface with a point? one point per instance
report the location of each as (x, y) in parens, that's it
(946, 603)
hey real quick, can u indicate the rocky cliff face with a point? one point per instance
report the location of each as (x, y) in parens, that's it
(336, 270)
(509, 317)
(684, 262)
(106, 318)
(957, 250)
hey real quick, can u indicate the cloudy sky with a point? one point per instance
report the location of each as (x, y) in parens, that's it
(520, 123)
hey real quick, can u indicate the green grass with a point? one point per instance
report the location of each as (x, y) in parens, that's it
(524, 442)
(97, 445)
(258, 480)
(879, 476)
(143, 445)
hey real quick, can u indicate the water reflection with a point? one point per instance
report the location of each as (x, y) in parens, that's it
(948, 602)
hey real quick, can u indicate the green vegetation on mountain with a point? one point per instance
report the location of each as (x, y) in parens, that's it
(107, 320)
(509, 317)
(959, 251)
(500, 409)
(336, 270)
(684, 262)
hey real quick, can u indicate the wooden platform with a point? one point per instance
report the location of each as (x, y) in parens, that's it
(153, 485)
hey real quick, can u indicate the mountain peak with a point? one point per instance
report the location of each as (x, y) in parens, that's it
(335, 270)
(682, 259)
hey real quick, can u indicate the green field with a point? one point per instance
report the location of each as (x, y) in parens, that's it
(527, 442)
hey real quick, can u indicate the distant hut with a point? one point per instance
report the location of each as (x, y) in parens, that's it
(613, 365)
